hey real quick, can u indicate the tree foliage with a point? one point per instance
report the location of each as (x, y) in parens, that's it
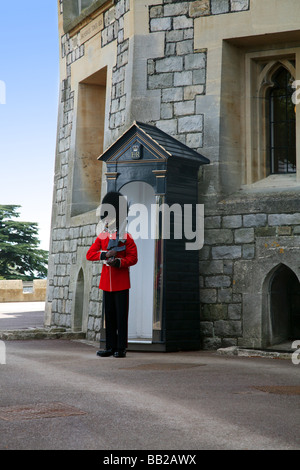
(20, 257)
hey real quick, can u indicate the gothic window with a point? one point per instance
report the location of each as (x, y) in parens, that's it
(83, 4)
(270, 122)
(74, 11)
(281, 124)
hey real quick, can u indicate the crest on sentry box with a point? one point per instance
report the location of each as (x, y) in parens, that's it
(136, 150)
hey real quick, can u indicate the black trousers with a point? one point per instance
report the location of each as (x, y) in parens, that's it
(116, 319)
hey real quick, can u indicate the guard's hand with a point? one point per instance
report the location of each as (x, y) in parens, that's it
(111, 254)
(114, 262)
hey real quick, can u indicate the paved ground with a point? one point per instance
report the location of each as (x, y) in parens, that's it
(56, 394)
(147, 401)
(21, 315)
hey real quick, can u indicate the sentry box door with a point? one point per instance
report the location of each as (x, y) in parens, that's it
(159, 177)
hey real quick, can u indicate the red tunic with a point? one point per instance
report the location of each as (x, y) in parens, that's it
(114, 279)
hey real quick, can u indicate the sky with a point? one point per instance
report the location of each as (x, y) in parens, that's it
(29, 88)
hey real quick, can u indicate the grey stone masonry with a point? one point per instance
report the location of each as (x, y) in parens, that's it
(180, 77)
(231, 241)
(66, 242)
(181, 73)
(114, 31)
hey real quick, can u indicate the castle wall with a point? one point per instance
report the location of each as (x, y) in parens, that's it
(182, 66)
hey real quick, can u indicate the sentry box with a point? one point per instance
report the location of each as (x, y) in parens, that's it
(159, 176)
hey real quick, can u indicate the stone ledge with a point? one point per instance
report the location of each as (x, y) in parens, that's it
(236, 351)
(40, 333)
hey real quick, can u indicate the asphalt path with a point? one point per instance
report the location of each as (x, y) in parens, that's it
(21, 315)
(147, 401)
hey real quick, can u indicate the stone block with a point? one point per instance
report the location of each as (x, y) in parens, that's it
(161, 80)
(239, 5)
(170, 95)
(170, 48)
(226, 252)
(219, 6)
(284, 219)
(214, 312)
(181, 22)
(211, 267)
(183, 78)
(206, 328)
(190, 124)
(169, 64)
(234, 311)
(184, 47)
(182, 108)
(156, 11)
(211, 343)
(244, 235)
(284, 231)
(160, 24)
(175, 9)
(224, 295)
(194, 140)
(265, 232)
(218, 236)
(195, 61)
(248, 251)
(169, 126)
(227, 328)
(199, 8)
(212, 221)
(199, 77)
(208, 296)
(174, 36)
(166, 111)
(191, 91)
(232, 221)
(188, 33)
(217, 281)
(254, 220)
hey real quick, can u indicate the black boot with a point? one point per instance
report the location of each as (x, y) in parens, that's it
(121, 353)
(105, 352)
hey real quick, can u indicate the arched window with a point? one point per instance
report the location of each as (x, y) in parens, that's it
(281, 124)
(284, 291)
(270, 123)
(79, 300)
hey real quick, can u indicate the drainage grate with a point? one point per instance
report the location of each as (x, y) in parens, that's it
(281, 389)
(162, 366)
(37, 411)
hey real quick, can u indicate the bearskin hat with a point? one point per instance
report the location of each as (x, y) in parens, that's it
(118, 203)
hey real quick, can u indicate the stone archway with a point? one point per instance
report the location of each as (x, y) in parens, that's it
(284, 305)
(79, 302)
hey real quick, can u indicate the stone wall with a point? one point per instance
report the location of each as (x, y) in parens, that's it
(246, 235)
(14, 291)
(245, 240)
(181, 73)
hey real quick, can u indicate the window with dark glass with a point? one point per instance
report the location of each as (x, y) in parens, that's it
(282, 124)
(74, 11)
(83, 4)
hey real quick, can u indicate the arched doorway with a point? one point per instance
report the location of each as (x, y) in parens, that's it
(79, 301)
(140, 197)
(284, 300)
